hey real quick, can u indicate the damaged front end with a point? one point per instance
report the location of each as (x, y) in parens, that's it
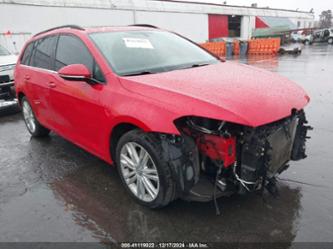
(215, 158)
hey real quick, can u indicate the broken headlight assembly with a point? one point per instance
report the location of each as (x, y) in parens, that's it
(235, 158)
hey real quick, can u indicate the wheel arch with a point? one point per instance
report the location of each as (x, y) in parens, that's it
(117, 132)
(125, 124)
(20, 96)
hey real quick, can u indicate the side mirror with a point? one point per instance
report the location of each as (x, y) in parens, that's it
(75, 72)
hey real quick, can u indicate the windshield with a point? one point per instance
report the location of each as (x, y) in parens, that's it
(3, 51)
(144, 52)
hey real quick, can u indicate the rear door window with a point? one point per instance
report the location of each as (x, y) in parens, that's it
(43, 53)
(71, 50)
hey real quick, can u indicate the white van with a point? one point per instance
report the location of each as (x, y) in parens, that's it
(7, 65)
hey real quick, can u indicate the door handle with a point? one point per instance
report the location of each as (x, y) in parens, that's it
(27, 77)
(52, 84)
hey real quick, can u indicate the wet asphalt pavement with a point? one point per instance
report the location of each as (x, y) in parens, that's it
(51, 190)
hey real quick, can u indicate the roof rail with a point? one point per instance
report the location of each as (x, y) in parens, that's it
(144, 25)
(60, 27)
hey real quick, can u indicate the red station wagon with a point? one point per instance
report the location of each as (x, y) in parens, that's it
(177, 121)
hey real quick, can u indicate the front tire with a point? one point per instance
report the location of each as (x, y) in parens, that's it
(143, 171)
(32, 124)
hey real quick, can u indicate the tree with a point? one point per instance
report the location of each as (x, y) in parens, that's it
(325, 19)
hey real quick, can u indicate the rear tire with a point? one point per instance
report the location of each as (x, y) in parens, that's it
(152, 175)
(32, 124)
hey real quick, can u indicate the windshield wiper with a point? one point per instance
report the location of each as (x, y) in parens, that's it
(195, 65)
(150, 72)
(200, 65)
(138, 73)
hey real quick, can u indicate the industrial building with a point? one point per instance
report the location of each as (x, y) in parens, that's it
(198, 21)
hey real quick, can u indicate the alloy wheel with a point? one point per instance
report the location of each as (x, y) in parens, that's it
(29, 117)
(139, 171)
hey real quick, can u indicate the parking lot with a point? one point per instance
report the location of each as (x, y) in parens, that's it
(51, 190)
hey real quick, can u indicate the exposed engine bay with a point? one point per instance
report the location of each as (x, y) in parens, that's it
(216, 158)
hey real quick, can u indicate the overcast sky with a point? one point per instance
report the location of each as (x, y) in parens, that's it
(306, 5)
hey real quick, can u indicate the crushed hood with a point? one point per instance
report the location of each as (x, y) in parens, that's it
(227, 91)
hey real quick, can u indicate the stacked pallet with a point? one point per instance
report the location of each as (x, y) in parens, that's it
(267, 46)
(264, 46)
(217, 48)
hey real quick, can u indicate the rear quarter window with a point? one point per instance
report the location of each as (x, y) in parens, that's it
(27, 54)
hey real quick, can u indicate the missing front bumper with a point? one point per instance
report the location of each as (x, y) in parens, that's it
(261, 154)
(267, 150)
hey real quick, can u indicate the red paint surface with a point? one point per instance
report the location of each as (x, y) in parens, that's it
(260, 24)
(86, 114)
(218, 148)
(218, 26)
(225, 91)
(75, 70)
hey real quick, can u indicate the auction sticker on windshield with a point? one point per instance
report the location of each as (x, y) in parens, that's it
(138, 43)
